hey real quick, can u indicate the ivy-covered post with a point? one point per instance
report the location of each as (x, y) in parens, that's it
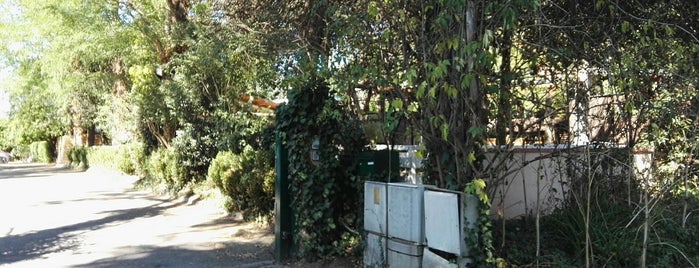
(283, 215)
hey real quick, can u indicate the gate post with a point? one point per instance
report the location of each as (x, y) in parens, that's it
(283, 217)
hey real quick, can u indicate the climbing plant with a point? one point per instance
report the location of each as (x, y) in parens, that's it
(325, 191)
(480, 238)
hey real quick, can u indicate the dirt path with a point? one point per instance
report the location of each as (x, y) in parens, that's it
(53, 217)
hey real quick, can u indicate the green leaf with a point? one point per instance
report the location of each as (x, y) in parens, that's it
(397, 104)
(373, 9)
(433, 92)
(625, 26)
(475, 131)
(445, 131)
(471, 48)
(471, 157)
(421, 90)
(466, 80)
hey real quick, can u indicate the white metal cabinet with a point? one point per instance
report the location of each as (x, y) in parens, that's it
(404, 254)
(406, 212)
(375, 206)
(447, 214)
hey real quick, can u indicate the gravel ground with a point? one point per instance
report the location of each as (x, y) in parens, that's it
(56, 217)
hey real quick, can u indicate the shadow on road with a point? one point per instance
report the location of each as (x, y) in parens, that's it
(15, 248)
(147, 231)
(31, 170)
(254, 256)
(109, 196)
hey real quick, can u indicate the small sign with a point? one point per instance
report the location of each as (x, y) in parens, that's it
(377, 196)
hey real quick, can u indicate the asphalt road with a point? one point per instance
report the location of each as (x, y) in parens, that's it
(54, 217)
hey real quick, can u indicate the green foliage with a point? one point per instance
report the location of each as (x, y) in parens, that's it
(161, 169)
(246, 179)
(6, 142)
(117, 158)
(41, 151)
(37, 112)
(479, 240)
(78, 157)
(21, 151)
(614, 243)
(326, 192)
(615, 229)
(171, 77)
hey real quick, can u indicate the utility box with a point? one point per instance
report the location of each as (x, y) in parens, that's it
(431, 259)
(394, 224)
(443, 222)
(375, 206)
(375, 251)
(404, 254)
(448, 217)
(406, 220)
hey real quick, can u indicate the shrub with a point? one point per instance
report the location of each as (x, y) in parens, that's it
(134, 159)
(246, 179)
(41, 151)
(127, 160)
(21, 152)
(162, 169)
(103, 156)
(193, 150)
(78, 157)
(121, 158)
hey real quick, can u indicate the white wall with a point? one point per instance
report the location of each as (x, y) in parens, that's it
(535, 180)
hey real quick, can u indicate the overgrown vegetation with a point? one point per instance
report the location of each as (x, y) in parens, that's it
(41, 151)
(247, 181)
(118, 158)
(616, 236)
(166, 80)
(79, 155)
(326, 191)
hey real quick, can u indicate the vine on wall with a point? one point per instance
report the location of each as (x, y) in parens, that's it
(325, 193)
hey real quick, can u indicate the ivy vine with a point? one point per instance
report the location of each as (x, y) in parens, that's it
(480, 239)
(326, 192)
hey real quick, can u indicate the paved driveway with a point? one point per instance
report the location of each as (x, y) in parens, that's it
(53, 217)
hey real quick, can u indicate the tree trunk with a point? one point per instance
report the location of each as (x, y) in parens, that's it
(504, 100)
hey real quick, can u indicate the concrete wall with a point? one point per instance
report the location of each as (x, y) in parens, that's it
(535, 180)
(538, 178)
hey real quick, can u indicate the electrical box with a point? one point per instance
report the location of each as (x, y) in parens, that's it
(447, 215)
(375, 206)
(404, 254)
(406, 219)
(375, 251)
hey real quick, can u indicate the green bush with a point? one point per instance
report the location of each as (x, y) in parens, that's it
(133, 160)
(40, 151)
(78, 157)
(103, 156)
(21, 151)
(121, 158)
(128, 159)
(162, 169)
(246, 179)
